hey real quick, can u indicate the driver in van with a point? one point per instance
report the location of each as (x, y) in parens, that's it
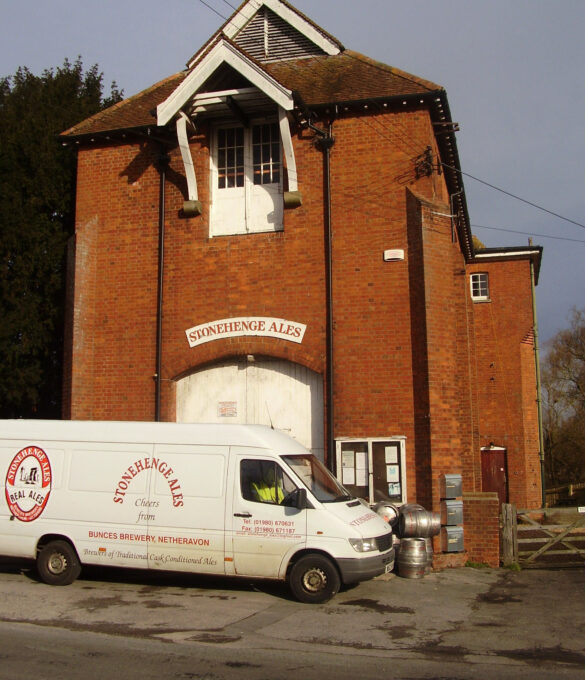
(268, 489)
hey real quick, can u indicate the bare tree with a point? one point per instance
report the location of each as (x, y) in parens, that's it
(564, 403)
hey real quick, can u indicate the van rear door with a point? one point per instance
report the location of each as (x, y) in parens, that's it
(265, 527)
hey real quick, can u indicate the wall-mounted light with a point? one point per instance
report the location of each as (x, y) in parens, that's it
(393, 255)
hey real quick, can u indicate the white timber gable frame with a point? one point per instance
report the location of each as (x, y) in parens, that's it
(245, 14)
(247, 161)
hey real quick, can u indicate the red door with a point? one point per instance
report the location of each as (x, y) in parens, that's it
(494, 472)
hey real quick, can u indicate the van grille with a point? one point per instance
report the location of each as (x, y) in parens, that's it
(384, 542)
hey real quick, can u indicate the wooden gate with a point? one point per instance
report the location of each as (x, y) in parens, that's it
(552, 537)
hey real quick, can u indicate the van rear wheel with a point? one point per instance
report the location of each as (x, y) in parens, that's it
(314, 579)
(58, 564)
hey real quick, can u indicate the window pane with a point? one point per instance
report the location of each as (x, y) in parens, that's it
(354, 468)
(317, 478)
(263, 481)
(266, 153)
(480, 286)
(230, 157)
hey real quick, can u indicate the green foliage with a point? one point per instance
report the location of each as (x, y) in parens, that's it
(513, 566)
(37, 184)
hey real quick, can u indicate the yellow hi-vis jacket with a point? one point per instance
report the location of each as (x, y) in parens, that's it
(266, 493)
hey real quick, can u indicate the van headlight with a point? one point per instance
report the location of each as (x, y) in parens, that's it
(364, 544)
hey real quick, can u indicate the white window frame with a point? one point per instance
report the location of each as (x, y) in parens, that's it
(260, 207)
(395, 440)
(479, 282)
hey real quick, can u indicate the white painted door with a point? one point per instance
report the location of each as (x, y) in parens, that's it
(265, 392)
(246, 176)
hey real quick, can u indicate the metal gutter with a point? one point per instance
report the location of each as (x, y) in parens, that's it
(538, 385)
(163, 162)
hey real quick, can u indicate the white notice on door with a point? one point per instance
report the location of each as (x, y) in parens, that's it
(348, 476)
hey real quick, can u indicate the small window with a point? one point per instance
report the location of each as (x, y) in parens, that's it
(480, 289)
(263, 481)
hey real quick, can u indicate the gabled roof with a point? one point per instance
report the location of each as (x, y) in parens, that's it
(276, 19)
(258, 33)
(319, 81)
(347, 77)
(270, 53)
(136, 112)
(223, 52)
(270, 46)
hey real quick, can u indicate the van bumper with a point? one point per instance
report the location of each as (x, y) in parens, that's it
(354, 569)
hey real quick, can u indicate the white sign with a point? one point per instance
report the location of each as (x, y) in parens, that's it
(227, 409)
(246, 325)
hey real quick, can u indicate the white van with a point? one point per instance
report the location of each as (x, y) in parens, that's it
(235, 500)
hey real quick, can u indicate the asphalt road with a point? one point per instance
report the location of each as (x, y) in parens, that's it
(455, 624)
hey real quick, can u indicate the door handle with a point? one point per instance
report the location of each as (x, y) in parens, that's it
(242, 514)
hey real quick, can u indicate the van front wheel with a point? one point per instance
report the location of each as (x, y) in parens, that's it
(58, 564)
(314, 579)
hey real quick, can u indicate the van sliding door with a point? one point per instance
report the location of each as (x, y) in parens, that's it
(186, 508)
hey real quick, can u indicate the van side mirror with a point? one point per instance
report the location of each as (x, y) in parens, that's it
(297, 499)
(301, 499)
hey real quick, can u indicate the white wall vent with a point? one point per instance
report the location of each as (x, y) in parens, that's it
(393, 255)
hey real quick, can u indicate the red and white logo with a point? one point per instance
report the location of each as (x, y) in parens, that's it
(28, 483)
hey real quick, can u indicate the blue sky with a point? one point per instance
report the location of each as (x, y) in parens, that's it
(514, 74)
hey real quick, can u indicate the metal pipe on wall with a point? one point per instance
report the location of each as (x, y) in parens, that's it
(162, 164)
(326, 141)
(538, 385)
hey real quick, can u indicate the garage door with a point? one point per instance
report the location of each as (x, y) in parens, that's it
(260, 391)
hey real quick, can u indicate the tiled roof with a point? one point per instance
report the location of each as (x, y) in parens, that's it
(131, 113)
(346, 77)
(322, 80)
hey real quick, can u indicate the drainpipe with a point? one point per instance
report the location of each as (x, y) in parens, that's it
(538, 385)
(162, 164)
(325, 142)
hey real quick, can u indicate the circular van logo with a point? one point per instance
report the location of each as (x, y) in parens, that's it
(28, 483)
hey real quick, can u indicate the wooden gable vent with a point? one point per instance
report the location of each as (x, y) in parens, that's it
(267, 37)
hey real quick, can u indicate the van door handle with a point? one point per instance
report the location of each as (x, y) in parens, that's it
(242, 514)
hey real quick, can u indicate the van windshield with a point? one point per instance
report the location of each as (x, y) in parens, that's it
(317, 478)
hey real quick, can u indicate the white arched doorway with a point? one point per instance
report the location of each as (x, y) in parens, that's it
(259, 391)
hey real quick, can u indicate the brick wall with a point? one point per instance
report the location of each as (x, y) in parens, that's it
(113, 342)
(411, 355)
(505, 377)
(481, 512)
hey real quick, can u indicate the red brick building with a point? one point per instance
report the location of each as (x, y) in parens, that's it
(279, 234)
